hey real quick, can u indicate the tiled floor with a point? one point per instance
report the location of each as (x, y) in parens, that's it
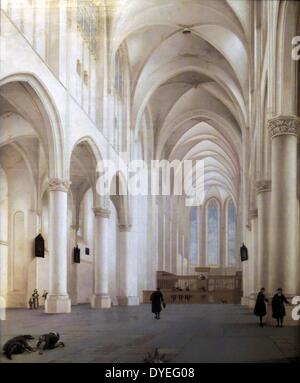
(185, 333)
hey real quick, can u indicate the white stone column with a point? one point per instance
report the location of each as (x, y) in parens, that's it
(174, 242)
(252, 269)
(183, 255)
(128, 284)
(283, 262)
(3, 278)
(101, 298)
(160, 236)
(263, 224)
(58, 299)
(246, 272)
(72, 277)
(164, 242)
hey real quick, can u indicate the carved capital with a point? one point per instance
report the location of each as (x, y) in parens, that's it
(57, 184)
(125, 227)
(101, 212)
(253, 213)
(263, 186)
(284, 125)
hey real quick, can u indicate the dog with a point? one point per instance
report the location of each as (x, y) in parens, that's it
(18, 345)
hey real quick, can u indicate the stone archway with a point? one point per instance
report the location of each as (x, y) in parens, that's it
(27, 147)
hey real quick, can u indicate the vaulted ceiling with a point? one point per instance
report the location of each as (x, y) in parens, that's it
(189, 66)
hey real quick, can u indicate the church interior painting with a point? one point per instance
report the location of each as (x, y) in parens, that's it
(88, 81)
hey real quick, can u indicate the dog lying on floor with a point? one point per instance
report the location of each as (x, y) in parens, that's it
(18, 345)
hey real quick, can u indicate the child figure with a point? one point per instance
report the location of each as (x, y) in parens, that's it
(30, 302)
(35, 297)
(45, 293)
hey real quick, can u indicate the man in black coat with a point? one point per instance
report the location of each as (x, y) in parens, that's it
(260, 309)
(157, 300)
(18, 345)
(278, 308)
(49, 341)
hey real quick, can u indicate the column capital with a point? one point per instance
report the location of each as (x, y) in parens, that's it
(284, 125)
(253, 213)
(101, 212)
(263, 186)
(125, 227)
(57, 184)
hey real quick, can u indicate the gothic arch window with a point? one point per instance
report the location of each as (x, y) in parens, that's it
(87, 22)
(194, 236)
(213, 233)
(231, 233)
(88, 27)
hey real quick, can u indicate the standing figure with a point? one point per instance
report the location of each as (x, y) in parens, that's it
(278, 308)
(35, 297)
(45, 293)
(260, 309)
(30, 302)
(157, 300)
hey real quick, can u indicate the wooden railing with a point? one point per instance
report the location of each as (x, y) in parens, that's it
(178, 289)
(180, 282)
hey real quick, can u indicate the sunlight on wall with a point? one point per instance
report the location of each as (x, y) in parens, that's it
(213, 233)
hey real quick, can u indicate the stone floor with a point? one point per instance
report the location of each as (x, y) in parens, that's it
(185, 333)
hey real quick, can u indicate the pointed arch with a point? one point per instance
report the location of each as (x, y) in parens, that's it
(50, 131)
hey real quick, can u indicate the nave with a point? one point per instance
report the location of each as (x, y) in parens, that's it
(185, 334)
(85, 81)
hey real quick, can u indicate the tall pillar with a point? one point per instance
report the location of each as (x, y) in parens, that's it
(3, 278)
(174, 242)
(183, 254)
(164, 242)
(246, 273)
(160, 237)
(128, 287)
(252, 270)
(178, 259)
(167, 243)
(283, 263)
(58, 299)
(263, 224)
(101, 298)
(73, 267)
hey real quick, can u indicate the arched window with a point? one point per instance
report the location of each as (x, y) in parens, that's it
(231, 233)
(87, 22)
(86, 52)
(193, 236)
(213, 233)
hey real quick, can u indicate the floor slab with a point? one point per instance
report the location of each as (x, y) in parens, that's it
(185, 333)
